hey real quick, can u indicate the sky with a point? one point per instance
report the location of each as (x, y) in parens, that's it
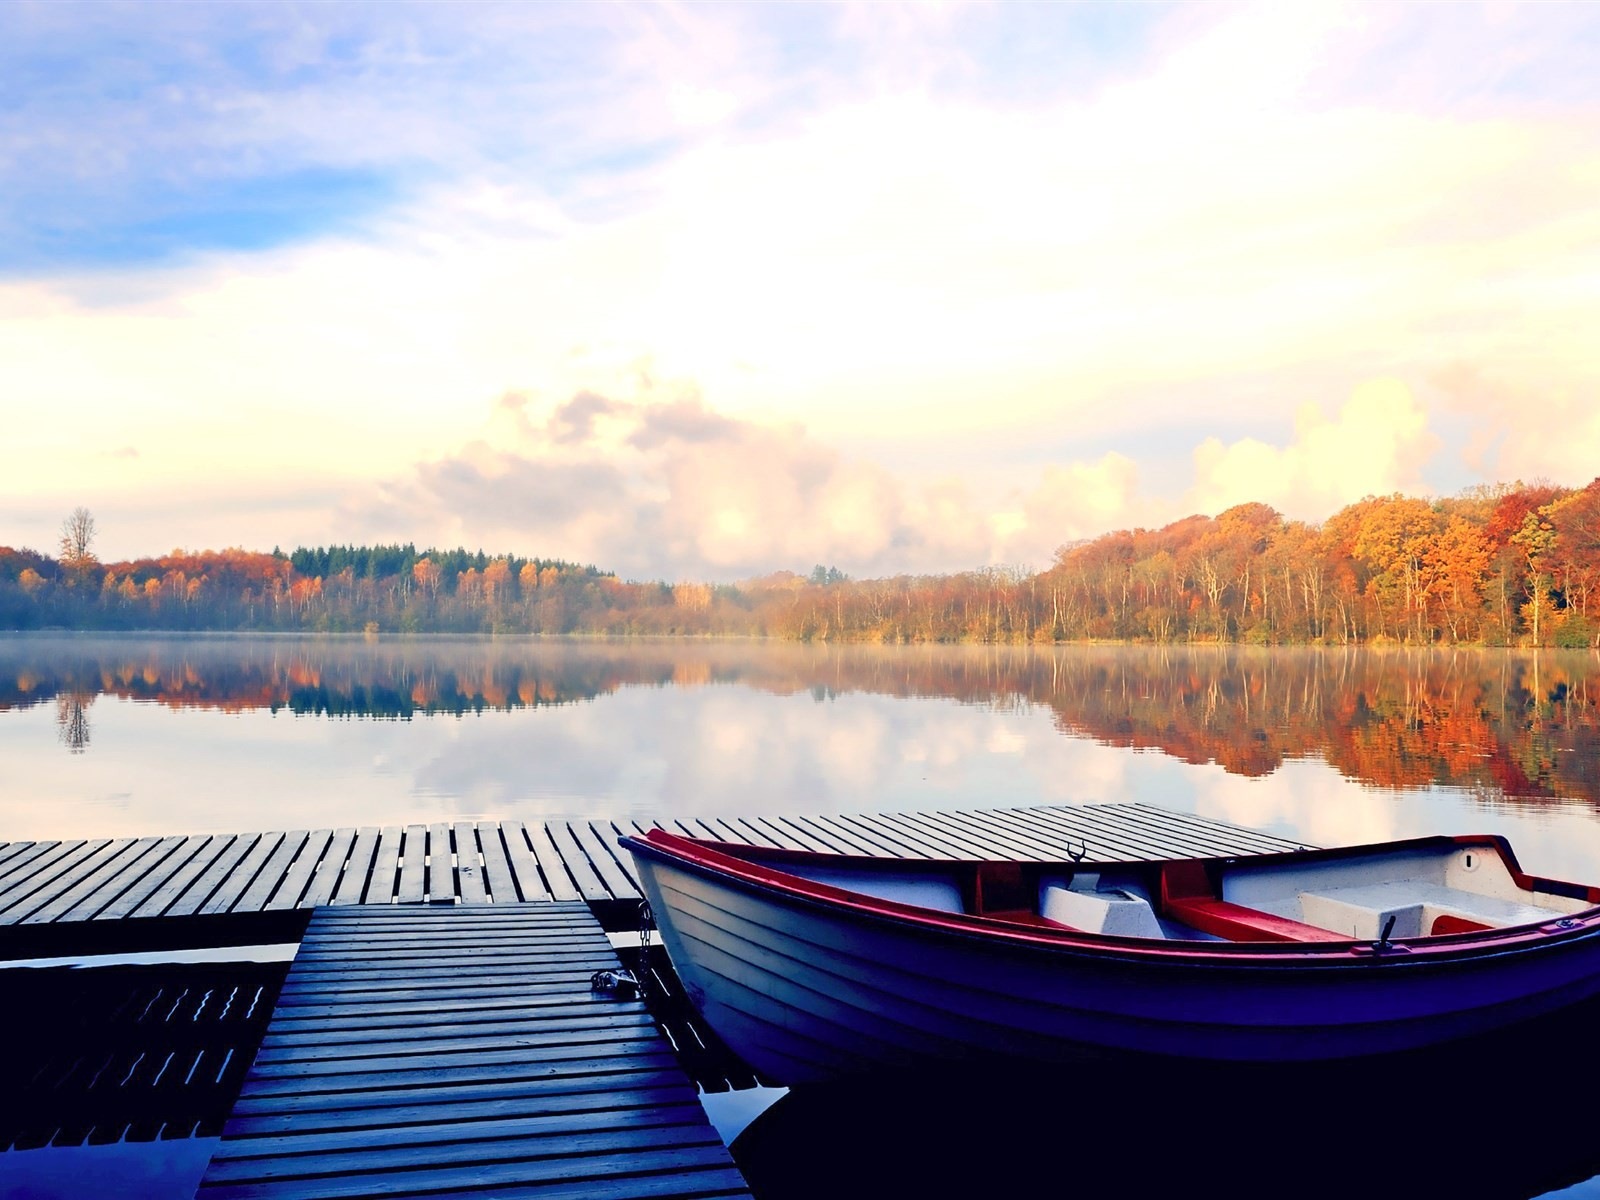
(707, 291)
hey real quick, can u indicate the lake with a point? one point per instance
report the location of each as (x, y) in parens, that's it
(116, 736)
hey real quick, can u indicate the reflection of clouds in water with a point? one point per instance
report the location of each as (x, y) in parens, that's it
(734, 751)
(1309, 802)
(1005, 741)
(745, 746)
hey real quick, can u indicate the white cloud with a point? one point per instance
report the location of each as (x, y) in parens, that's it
(877, 264)
(651, 482)
(1528, 429)
(1377, 444)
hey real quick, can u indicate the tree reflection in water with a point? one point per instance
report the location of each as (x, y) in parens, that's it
(72, 720)
(1518, 727)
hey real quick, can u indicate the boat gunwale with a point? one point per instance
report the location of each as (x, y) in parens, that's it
(749, 867)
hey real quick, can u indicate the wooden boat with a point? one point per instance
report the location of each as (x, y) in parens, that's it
(817, 966)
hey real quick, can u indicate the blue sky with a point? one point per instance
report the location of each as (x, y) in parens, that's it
(962, 281)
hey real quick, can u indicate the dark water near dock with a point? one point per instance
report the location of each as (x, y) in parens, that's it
(103, 736)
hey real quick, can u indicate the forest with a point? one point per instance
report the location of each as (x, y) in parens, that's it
(1507, 564)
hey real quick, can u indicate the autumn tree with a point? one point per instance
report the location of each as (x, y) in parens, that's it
(1575, 521)
(1456, 567)
(1536, 540)
(1513, 504)
(77, 541)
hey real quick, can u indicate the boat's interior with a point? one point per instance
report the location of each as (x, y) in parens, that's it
(1421, 889)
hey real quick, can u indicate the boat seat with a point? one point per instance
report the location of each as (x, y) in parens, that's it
(1189, 896)
(1237, 923)
(1117, 913)
(1418, 909)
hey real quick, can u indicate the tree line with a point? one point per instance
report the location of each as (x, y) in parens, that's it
(1509, 564)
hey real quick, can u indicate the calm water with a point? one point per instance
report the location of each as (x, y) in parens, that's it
(116, 736)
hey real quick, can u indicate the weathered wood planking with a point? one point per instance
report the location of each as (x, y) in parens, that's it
(510, 862)
(460, 1050)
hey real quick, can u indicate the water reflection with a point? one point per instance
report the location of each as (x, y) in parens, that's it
(222, 734)
(1515, 726)
(72, 720)
(1496, 1120)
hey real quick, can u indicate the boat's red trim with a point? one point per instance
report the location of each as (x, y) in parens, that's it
(1450, 923)
(1240, 924)
(1189, 895)
(730, 861)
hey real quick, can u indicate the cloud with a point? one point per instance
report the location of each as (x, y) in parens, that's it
(1525, 428)
(573, 422)
(684, 421)
(670, 488)
(912, 233)
(1378, 443)
(1071, 502)
(666, 487)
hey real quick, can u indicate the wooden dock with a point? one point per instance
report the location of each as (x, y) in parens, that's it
(48, 885)
(460, 1050)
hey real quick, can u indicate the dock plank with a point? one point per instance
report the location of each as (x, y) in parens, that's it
(157, 861)
(440, 884)
(472, 878)
(413, 865)
(328, 872)
(352, 884)
(297, 874)
(755, 834)
(524, 866)
(512, 862)
(502, 882)
(922, 834)
(784, 834)
(603, 856)
(54, 869)
(96, 875)
(159, 899)
(10, 850)
(193, 897)
(554, 1087)
(234, 884)
(557, 878)
(1030, 838)
(385, 867)
(34, 856)
(267, 881)
(1236, 835)
(192, 850)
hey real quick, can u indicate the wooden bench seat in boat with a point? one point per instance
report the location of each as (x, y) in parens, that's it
(1237, 923)
(1189, 896)
(1418, 909)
